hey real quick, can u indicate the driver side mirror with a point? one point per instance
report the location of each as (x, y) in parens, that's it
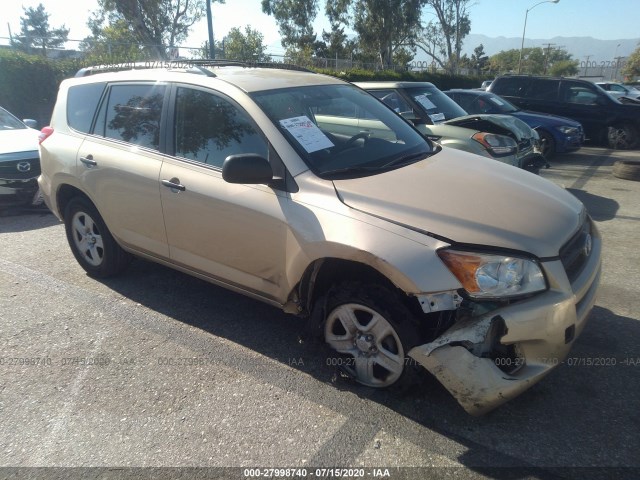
(248, 168)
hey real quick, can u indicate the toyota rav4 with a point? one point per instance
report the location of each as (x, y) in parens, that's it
(392, 248)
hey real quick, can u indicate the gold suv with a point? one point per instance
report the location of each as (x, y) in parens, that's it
(310, 194)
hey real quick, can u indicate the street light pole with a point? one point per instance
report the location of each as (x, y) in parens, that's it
(525, 29)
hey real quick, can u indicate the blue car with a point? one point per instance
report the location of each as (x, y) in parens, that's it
(558, 134)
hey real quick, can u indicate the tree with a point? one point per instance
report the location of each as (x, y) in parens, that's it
(535, 61)
(36, 33)
(294, 19)
(385, 27)
(632, 67)
(112, 43)
(154, 24)
(564, 68)
(204, 52)
(245, 46)
(442, 39)
(479, 60)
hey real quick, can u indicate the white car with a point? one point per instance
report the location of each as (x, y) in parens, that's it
(19, 160)
(619, 90)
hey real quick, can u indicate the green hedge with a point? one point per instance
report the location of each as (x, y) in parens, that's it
(29, 83)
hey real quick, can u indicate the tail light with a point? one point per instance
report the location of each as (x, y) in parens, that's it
(44, 134)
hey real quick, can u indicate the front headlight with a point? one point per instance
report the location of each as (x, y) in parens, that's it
(568, 130)
(485, 276)
(497, 145)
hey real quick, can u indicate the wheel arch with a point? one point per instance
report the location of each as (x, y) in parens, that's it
(65, 194)
(323, 273)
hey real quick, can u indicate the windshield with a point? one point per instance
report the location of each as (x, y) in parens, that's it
(436, 104)
(486, 103)
(9, 122)
(341, 131)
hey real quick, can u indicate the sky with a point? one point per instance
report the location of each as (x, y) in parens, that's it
(604, 20)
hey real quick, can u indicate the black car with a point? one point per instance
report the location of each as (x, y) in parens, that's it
(19, 160)
(604, 118)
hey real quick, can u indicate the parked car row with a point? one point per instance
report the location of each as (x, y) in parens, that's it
(308, 193)
(485, 132)
(436, 116)
(605, 119)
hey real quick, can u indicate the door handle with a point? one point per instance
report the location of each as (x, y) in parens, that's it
(89, 161)
(174, 184)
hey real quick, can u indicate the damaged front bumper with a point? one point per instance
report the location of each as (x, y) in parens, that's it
(538, 332)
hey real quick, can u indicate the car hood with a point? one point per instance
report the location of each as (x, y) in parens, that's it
(545, 119)
(21, 140)
(468, 199)
(479, 122)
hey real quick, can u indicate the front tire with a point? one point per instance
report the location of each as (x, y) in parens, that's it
(548, 145)
(372, 332)
(91, 242)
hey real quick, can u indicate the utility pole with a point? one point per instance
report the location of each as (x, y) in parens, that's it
(546, 58)
(212, 49)
(586, 64)
(617, 60)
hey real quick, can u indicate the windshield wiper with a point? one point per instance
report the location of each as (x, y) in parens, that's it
(396, 162)
(407, 159)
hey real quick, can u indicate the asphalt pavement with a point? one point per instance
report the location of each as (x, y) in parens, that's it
(155, 368)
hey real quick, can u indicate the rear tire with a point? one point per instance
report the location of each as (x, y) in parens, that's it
(91, 242)
(622, 137)
(372, 332)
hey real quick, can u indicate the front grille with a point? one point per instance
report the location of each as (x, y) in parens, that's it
(20, 169)
(575, 253)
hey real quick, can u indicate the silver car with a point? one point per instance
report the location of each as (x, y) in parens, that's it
(397, 252)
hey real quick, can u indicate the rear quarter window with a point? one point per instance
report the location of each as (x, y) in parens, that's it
(82, 101)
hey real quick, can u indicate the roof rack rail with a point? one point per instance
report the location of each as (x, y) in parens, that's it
(190, 66)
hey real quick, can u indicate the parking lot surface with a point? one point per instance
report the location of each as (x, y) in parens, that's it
(159, 369)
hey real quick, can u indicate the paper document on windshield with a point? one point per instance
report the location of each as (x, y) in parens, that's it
(425, 102)
(306, 133)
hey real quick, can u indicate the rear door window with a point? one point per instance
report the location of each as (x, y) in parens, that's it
(542, 89)
(132, 113)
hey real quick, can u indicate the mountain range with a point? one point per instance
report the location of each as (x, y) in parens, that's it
(579, 47)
